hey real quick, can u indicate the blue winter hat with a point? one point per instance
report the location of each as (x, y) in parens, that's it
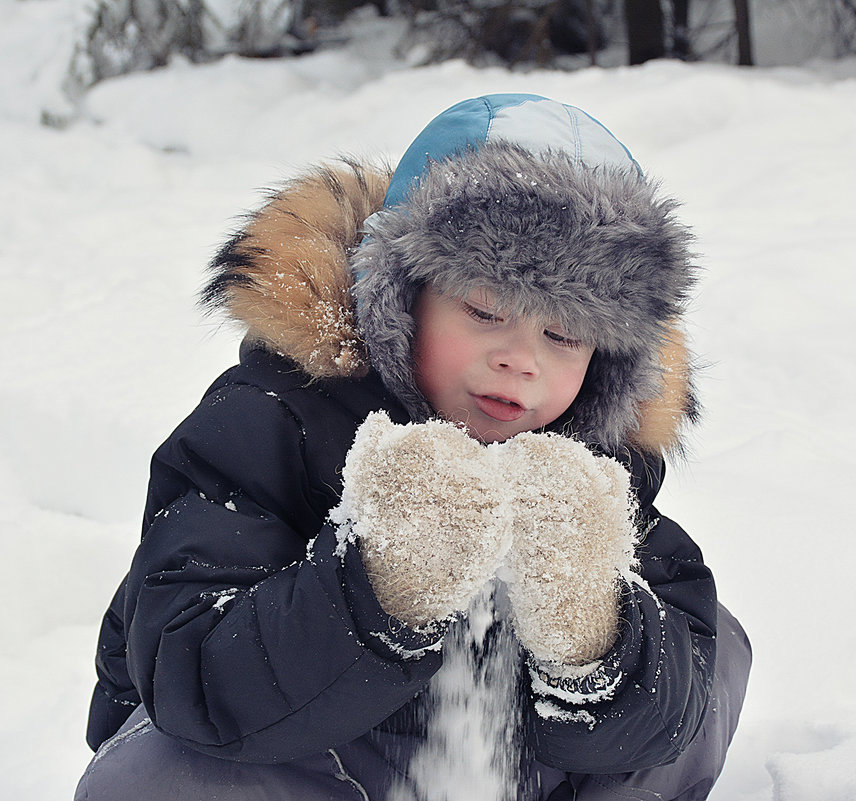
(532, 122)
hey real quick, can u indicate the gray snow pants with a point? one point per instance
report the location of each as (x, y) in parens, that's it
(140, 762)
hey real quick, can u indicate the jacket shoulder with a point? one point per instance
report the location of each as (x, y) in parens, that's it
(267, 429)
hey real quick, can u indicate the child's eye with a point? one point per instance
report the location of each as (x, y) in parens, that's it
(562, 341)
(481, 315)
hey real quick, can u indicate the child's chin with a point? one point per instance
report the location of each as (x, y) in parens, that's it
(484, 432)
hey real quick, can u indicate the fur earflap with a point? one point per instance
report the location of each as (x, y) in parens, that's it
(594, 250)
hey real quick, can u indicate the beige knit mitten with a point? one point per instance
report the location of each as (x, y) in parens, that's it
(574, 538)
(427, 506)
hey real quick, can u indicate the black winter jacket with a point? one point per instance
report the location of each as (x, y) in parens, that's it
(244, 646)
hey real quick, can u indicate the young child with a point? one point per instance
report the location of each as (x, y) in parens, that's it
(456, 391)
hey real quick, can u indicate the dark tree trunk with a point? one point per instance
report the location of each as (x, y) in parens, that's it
(645, 36)
(681, 24)
(592, 38)
(744, 35)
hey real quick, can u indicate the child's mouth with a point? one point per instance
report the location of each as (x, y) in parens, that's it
(498, 408)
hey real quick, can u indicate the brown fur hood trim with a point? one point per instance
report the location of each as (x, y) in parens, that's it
(286, 277)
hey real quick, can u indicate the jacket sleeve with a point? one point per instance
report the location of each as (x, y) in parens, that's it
(645, 700)
(114, 697)
(241, 643)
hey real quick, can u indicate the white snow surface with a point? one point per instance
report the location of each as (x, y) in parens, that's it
(107, 224)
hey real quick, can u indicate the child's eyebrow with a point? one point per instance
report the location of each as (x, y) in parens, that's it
(483, 296)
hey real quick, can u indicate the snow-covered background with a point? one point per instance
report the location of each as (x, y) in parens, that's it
(106, 225)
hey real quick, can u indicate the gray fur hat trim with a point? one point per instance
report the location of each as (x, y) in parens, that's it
(590, 248)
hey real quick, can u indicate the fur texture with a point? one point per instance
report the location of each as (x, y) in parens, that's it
(286, 277)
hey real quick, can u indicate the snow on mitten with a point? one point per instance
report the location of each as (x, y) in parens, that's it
(573, 541)
(427, 507)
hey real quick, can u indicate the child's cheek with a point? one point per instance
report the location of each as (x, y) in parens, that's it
(564, 390)
(442, 360)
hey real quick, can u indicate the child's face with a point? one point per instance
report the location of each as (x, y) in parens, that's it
(497, 375)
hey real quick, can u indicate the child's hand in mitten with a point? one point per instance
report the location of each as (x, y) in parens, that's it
(426, 504)
(573, 540)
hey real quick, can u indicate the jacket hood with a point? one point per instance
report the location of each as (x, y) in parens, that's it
(285, 276)
(527, 197)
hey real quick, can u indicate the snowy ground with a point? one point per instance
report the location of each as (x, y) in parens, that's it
(105, 228)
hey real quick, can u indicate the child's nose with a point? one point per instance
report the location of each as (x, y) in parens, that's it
(515, 355)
